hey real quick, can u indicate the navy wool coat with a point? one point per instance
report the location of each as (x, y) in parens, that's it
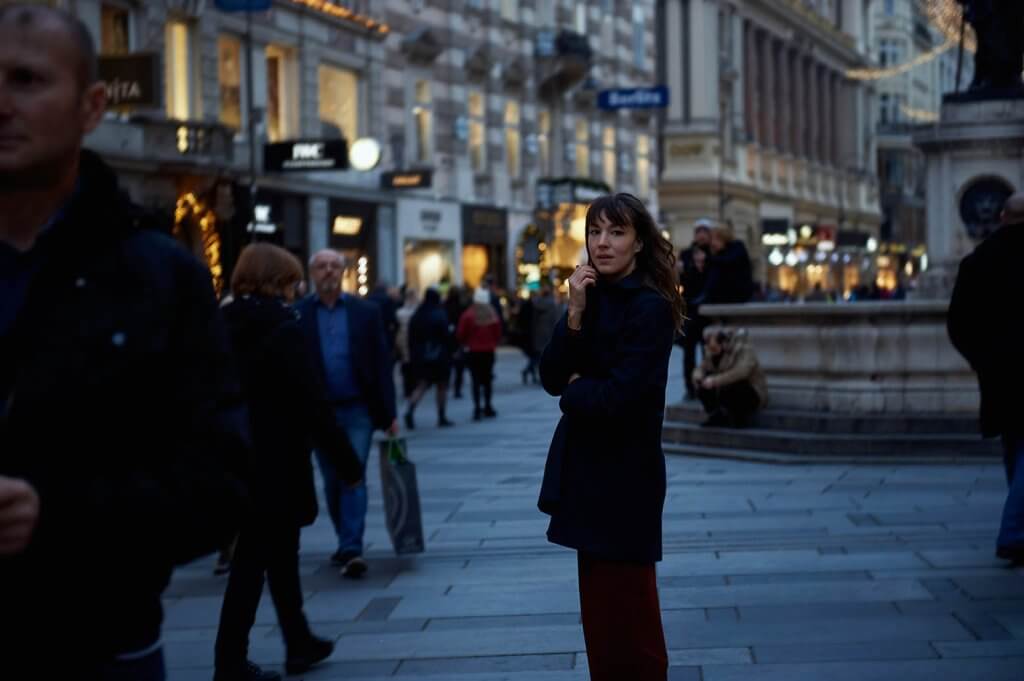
(604, 481)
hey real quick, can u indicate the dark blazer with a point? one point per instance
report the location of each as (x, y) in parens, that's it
(371, 356)
(289, 411)
(604, 481)
(127, 418)
(984, 325)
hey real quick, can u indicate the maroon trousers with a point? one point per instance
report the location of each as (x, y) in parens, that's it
(621, 620)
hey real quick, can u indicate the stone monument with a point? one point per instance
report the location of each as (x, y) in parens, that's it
(975, 152)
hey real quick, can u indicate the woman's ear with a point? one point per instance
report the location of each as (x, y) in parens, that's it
(638, 246)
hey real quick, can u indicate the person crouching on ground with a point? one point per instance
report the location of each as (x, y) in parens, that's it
(604, 481)
(289, 410)
(730, 382)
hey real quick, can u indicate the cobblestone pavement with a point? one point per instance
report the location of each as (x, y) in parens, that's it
(771, 572)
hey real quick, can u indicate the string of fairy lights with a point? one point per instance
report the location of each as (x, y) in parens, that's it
(947, 17)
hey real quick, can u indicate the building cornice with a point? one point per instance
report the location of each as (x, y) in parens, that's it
(826, 38)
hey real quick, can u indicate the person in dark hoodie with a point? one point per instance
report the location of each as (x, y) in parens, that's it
(289, 414)
(729, 270)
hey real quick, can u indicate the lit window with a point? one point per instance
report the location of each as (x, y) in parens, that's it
(282, 94)
(608, 155)
(643, 166)
(181, 72)
(423, 121)
(582, 148)
(115, 30)
(581, 17)
(339, 102)
(477, 131)
(544, 139)
(229, 75)
(512, 140)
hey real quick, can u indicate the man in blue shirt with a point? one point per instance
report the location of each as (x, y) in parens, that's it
(349, 344)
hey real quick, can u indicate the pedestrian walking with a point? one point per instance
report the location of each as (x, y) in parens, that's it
(693, 278)
(403, 315)
(346, 338)
(458, 300)
(388, 307)
(479, 332)
(430, 345)
(984, 326)
(604, 481)
(288, 409)
(544, 313)
(122, 427)
(729, 380)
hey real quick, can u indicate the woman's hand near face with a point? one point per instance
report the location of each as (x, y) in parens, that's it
(583, 278)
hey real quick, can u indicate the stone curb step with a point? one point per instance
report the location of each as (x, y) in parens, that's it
(855, 445)
(704, 451)
(817, 422)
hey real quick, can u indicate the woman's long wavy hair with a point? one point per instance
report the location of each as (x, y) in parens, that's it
(657, 259)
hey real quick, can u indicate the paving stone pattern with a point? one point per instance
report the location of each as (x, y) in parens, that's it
(771, 572)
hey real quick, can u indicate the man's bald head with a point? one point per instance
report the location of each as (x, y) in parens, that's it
(1013, 210)
(25, 16)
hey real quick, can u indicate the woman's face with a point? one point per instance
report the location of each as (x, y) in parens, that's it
(613, 248)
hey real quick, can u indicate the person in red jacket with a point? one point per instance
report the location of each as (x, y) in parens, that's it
(479, 331)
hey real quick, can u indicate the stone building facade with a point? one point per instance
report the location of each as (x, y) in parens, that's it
(484, 112)
(770, 134)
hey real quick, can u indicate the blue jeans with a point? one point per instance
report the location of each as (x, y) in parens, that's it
(347, 507)
(146, 667)
(1011, 530)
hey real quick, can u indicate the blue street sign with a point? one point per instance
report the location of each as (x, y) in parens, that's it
(633, 98)
(242, 5)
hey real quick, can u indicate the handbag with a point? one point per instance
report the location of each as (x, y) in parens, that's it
(402, 514)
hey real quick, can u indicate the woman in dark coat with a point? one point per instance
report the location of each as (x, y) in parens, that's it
(289, 413)
(604, 482)
(430, 347)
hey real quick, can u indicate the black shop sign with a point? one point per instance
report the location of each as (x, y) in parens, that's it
(484, 225)
(306, 155)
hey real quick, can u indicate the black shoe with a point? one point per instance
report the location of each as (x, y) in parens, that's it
(313, 651)
(476, 414)
(490, 413)
(247, 672)
(355, 567)
(443, 422)
(222, 567)
(525, 377)
(410, 424)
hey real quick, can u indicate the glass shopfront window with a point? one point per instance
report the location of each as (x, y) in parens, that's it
(428, 263)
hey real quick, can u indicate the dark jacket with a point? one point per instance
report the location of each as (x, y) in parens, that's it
(127, 418)
(289, 411)
(984, 325)
(604, 481)
(729, 277)
(388, 313)
(430, 341)
(544, 314)
(371, 357)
